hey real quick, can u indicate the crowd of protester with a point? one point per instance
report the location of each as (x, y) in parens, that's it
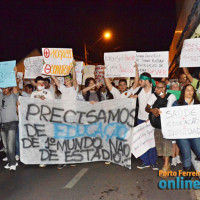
(150, 96)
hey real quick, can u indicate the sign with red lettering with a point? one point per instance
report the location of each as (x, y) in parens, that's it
(99, 73)
(155, 63)
(120, 64)
(58, 61)
(190, 54)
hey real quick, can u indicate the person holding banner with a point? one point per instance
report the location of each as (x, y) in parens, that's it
(9, 122)
(188, 97)
(158, 100)
(41, 92)
(69, 89)
(143, 93)
(91, 91)
(122, 93)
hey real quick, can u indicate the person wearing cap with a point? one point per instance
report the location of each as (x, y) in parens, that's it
(144, 91)
(69, 89)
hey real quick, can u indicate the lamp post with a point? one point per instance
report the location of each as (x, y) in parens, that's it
(106, 35)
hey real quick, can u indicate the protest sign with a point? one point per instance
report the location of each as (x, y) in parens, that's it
(155, 63)
(88, 71)
(7, 74)
(99, 73)
(58, 61)
(180, 122)
(33, 67)
(143, 139)
(190, 53)
(20, 77)
(78, 69)
(176, 93)
(57, 132)
(120, 64)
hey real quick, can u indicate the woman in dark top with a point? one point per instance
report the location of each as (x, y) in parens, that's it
(91, 91)
(188, 97)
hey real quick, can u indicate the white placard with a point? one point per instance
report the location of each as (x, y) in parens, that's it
(190, 53)
(20, 76)
(88, 71)
(155, 63)
(57, 132)
(180, 122)
(78, 69)
(99, 73)
(143, 139)
(33, 67)
(58, 61)
(120, 64)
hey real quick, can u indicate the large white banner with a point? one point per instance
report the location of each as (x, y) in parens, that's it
(33, 67)
(180, 122)
(120, 64)
(56, 132)
(58, 61)
(155, 63)
(190, 53)
(143, 139)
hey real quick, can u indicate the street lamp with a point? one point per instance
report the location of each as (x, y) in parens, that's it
(106, 35)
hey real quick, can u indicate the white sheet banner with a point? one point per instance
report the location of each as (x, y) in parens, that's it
(57, 132)
(155, 63)
(181, 122)
(190, 53)
(143, 139)
(33, 67)
(120, 64)
(58, 61)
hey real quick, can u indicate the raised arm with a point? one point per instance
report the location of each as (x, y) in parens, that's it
(136, 81)
(75, 84)
(90, 87)
(16, 89)
(57, 82)
(108, 83)
(187, 73)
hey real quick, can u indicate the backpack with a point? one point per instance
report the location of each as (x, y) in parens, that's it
(159, 103)
(137, 105)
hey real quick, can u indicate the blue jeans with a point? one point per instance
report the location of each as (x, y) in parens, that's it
(185, 146)
(8, 133)
(149, 157)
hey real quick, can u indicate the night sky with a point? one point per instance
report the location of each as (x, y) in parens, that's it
(139, 25)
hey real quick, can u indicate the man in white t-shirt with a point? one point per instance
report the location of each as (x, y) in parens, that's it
(41, 92)
(122, 92)
(69, 89)
(144, 92)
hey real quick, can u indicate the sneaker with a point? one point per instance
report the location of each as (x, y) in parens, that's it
(17, 157)
(5, 159)
(174, 162)
(178, 160)
(42, 166)
(3, 149)
(60, 166)
(143, 166)
(73, 165)
(107, 163)
(12, 167)
(155, 167)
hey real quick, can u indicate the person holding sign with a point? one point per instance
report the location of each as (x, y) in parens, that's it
(194, 82)
(158, 100)
(188, 97)
(9, 122)
(122, 93)
(69, 89)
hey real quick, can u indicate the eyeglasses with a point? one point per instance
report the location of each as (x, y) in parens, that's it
(159, 87)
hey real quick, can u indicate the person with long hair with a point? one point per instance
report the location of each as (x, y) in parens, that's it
(188, 97)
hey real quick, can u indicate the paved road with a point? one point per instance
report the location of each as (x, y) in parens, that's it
(98, 182)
